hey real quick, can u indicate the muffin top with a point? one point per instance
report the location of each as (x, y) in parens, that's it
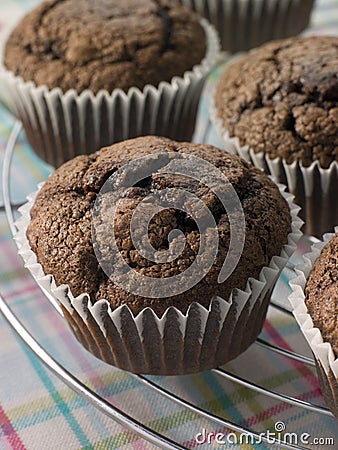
(105, 44)
(60, 230)
(282, 99)
(322, 293)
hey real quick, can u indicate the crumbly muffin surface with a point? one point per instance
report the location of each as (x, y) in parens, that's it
(105, 44)
(60, 229)
(282, 99)
(322, 293)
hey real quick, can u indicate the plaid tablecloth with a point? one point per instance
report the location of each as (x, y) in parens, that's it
(37, 411)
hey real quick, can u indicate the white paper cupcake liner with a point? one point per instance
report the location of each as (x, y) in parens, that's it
(245, 24)
(176, 343)
(315, 189)
(61, 125)
(327, 363)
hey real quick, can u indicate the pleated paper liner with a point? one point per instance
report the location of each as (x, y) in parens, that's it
(315, 189)
(326, 362)
(245, 24)
(176, 343)
(62, 125)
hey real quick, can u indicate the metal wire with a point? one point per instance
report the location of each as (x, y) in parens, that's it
(14, 205)
(282, 397)
(80, 388)
(208, 415)
(6, 189)
(106, 407)
(6, 173)
(282, 351)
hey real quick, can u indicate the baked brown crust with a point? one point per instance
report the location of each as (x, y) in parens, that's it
(282, 99)
(322, 293)
(106, 44)
(60, 229)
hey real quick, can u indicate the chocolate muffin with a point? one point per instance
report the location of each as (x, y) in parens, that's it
(314, 299)
(60, 231)
(83, 75)
(282, 99)
(245, 24)
(277, 107)
(322, 293)
(77, 236)
(106, 44)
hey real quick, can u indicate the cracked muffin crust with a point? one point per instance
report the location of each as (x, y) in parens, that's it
(282, 99)
(60, 228)
(106, 44)
(321, 293)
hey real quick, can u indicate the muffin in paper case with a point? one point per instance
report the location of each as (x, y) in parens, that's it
(315, 188)
(176, 343)
(60, 125)
(245, 24)
(326, 361)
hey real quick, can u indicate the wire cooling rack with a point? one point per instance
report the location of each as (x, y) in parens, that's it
(103, 404)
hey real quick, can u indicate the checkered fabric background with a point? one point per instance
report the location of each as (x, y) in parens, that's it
(38, 412)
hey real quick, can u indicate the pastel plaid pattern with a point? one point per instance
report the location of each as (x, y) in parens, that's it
(37, 412)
